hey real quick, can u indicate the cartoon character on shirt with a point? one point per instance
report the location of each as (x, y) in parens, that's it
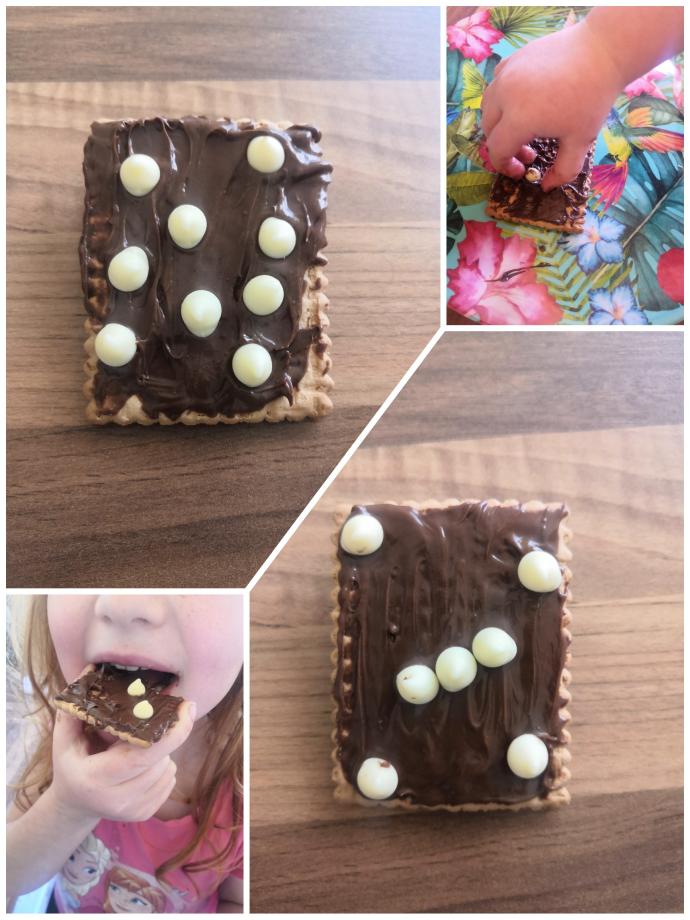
(128, 891)
(83, 870)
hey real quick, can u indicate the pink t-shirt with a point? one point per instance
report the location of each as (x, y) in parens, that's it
(114, 869)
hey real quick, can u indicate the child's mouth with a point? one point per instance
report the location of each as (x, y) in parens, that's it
(153, 674)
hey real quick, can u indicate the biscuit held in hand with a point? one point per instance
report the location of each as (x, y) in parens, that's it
(131, 705)
(122, 783)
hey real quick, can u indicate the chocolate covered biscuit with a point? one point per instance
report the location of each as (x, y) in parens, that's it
(202, 270)
(451, 646)
(522, 201)
(130, 705)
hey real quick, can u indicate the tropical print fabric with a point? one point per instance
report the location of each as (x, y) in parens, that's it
(626, 266)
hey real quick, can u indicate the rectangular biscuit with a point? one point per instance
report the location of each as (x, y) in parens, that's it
(520, 201)
(178, 366)
(100, 697)
(442, 573)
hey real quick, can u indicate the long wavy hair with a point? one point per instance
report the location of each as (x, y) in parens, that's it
(222, 766)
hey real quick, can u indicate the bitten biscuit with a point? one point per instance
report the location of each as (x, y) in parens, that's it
(522, 201)
(202, 270)
(130, 705)
(451, 651)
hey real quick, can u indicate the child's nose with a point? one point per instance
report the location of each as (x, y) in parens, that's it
(123, 610)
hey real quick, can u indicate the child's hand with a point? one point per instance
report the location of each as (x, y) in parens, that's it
(122, 783)
(562, 85)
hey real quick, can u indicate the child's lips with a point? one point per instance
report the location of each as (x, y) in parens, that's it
(134, 662)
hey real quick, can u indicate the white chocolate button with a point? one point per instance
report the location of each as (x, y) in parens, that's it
(265, 154)
(143, 710)
(539, 571)
(493, 647)
(263, 295)
(456, 668)
(361, 534)
(377, 778)
(139, 174)
(528, 756)
(129, 269)
(252, 365)
(201, 312)
(277, 238)
(417, 684)
(187, 225)
(136, 688)
(115, 345)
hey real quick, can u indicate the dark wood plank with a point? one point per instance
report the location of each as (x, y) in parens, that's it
(619, 466)
(200, 507)
(606, 853)
(222, 43)
(539, 381)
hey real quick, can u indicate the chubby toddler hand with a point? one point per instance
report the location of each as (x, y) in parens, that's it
(562, 85)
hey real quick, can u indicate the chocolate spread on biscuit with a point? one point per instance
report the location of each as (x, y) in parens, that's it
(202, 162)
(526, 200)
(102, 695)
(439, 577)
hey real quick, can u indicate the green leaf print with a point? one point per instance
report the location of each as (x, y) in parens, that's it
(521, 24)
(468, 188)
(651, 210)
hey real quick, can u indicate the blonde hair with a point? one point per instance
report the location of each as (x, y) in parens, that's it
(221, 768)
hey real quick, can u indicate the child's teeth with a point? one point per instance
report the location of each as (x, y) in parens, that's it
(127, 667)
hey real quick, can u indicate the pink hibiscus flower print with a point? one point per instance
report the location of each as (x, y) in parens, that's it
(495, 281)
(645, 84)
(474, 36)
(669, 273)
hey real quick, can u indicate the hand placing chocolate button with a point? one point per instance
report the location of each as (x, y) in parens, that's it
(187, 226)
(115, 345)
(377, 778)
(139, 174)
(277, 238)
(129, 269)
(265, 154)
(539, 571)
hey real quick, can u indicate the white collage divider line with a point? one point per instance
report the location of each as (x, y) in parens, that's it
(347, 456)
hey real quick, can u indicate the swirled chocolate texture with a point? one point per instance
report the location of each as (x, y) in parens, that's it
(440, 576)
(100, 698)
(203, 163)
(521, 202)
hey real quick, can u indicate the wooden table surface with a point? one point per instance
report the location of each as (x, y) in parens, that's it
(595, 420)
(203, 507)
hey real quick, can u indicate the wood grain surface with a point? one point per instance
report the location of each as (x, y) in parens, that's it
(595, 420)
(204, 507)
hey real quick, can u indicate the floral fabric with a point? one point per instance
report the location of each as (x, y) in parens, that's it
(626, 266)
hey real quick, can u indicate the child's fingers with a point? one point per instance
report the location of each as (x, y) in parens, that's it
(526, 154)
(139, 785)
(502, 144)
(491, 113)
(567, 165)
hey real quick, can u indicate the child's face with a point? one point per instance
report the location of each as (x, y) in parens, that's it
(197, 638)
